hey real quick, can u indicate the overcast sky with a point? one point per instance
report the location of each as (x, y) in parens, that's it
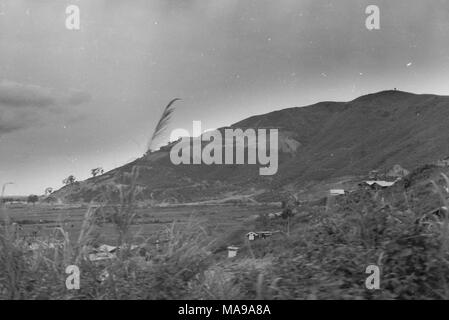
(74, 100)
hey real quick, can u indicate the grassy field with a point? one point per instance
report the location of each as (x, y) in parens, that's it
(218, 220)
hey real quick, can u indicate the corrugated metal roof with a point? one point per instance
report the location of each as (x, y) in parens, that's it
(381, 183)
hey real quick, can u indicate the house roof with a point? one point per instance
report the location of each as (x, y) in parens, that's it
(381, 183)
(106, 248)
(337, 191)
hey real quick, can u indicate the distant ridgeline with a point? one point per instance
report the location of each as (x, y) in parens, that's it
(14, 199)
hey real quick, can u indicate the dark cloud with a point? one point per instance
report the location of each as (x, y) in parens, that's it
(13, 94)
(7, 127)
(78, 97)
(25, 105)
(13, 120)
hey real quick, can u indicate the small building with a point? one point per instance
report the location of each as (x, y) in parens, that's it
(107, 248)
(275, 215)
(103, 252)
(377, 184)
(336, 192)
(252, 235)
(265, 234)
(232, 251)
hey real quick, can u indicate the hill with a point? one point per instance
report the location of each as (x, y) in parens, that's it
(318, 144)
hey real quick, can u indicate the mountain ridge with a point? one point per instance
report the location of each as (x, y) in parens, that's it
(330, 140)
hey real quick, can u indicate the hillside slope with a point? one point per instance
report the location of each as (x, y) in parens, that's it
(323, 141)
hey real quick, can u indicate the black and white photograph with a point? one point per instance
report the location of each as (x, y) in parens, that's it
(224, 150)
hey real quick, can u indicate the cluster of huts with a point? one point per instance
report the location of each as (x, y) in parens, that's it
(252, 236)
(377, 180)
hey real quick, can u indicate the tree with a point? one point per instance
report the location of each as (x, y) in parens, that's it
(69, 180)
(96, 171)
(48, 191)
(32, 199)
(6, 200)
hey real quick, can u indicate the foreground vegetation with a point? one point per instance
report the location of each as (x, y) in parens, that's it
(323, 255)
